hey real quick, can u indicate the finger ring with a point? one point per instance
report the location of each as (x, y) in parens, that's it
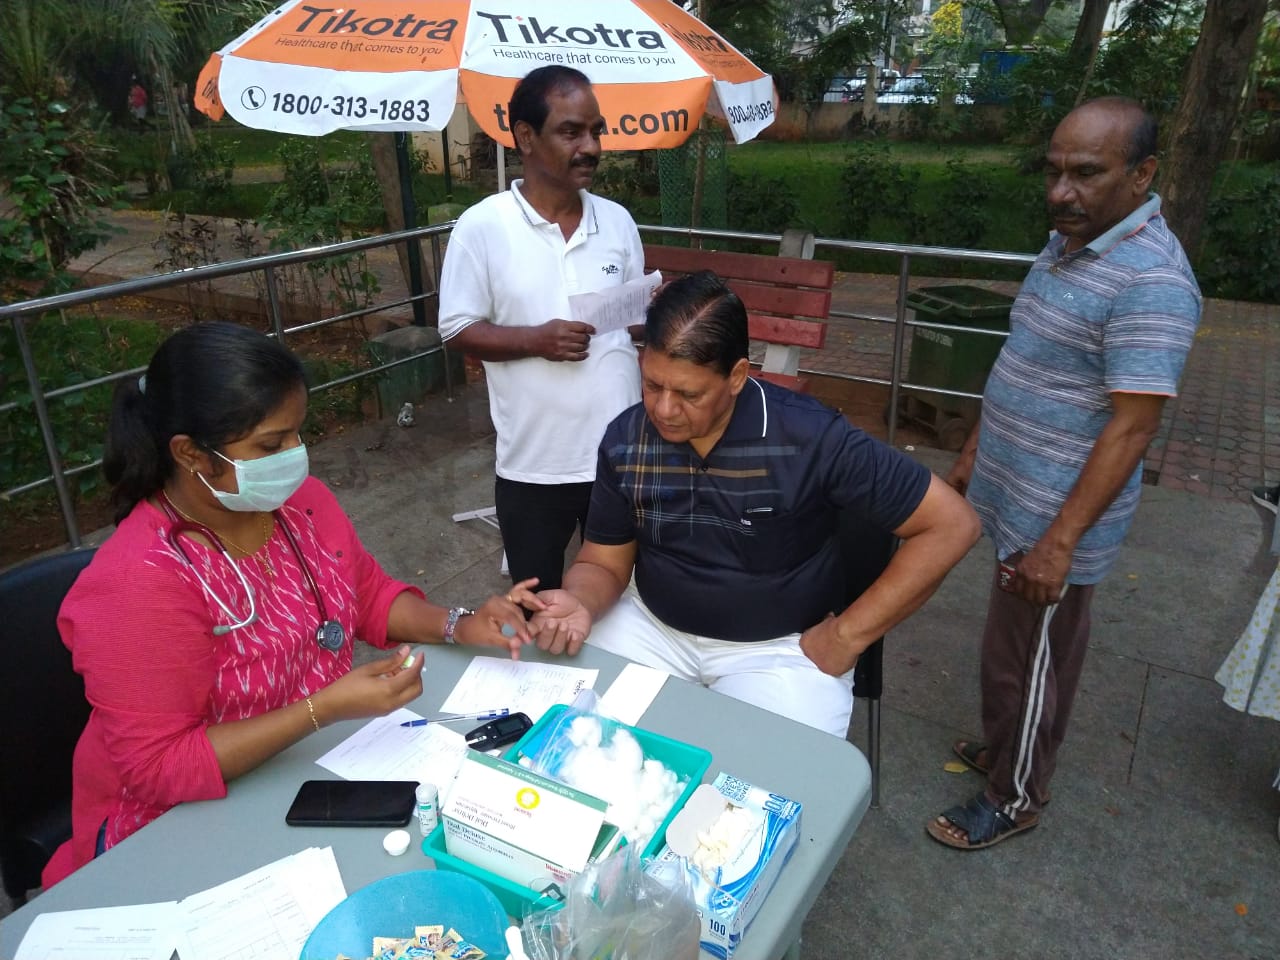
(510, 599)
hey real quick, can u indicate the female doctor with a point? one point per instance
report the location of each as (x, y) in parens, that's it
(214, 628)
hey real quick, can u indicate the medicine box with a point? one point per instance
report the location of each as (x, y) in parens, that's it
(689, 763)
(728, 896)
(517, 824)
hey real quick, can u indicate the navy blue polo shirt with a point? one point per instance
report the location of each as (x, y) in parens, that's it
(741, 545)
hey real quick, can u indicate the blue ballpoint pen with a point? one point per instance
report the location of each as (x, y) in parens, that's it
(492, 714)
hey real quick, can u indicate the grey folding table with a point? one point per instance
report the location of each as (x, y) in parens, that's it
(198, 845)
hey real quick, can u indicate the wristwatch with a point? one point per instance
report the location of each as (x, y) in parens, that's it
(451, 622)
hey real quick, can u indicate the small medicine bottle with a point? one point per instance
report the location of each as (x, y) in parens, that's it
(427, 813)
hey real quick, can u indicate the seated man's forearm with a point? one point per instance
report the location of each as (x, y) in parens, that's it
(918, 567)
(596, 587)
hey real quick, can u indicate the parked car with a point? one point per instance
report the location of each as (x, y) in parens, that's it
(917, 89)
(855, 89)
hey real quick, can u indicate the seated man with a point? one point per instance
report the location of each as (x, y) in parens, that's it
(721, 494)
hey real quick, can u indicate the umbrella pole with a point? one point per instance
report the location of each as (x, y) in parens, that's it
(448, 177)
(410, 221)
(502, 168)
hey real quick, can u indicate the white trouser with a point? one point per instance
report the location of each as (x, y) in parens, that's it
(772, 674)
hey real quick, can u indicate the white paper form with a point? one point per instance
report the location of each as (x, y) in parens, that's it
(268, 912)
(145, 931)
(384, 750)
(491, 683)
(630, 694)
(615, 308)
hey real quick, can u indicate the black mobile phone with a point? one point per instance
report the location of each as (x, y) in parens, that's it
(499, 732)
(353, 803)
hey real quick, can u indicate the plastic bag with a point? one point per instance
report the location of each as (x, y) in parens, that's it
(614, 910)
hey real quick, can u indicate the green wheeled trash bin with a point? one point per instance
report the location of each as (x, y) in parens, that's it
(952, 360)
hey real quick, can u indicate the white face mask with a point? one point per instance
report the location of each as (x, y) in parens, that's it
(265, 483)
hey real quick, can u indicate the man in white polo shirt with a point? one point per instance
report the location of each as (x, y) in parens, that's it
(512, 263)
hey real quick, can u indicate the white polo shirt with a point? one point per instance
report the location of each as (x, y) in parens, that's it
(508, 265)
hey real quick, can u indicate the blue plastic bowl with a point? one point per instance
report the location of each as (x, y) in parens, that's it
(393, 906)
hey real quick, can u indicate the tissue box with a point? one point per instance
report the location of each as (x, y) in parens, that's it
(729, 896)
(518, 825)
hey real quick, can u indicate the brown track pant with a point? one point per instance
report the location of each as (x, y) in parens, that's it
(1031, 662)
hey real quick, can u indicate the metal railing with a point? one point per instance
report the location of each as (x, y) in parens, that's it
(18, 313)
(904, 252)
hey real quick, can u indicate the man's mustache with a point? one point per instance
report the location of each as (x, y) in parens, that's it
(591, 162)
(1065, 210)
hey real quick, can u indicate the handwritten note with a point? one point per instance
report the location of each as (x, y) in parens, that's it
(144, 931)
(384, 750)
(532, 688)
(615, 308)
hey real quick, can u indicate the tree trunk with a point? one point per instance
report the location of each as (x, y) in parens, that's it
(1089, 29)
(1084, 45)
(382, 147)
(1208, 111)
(1021, 20)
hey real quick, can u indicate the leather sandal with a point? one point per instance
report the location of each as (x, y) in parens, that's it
(969, 751)
(983, 823)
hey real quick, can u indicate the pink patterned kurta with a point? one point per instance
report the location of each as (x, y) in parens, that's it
(140, 629)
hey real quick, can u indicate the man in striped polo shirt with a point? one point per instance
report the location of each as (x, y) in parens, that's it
(722, 495)
(1098, 337)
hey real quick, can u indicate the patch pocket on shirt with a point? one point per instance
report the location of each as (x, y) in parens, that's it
(766, 539)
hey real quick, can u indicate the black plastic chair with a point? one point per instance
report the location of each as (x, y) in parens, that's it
(42, 714)
(865, 551)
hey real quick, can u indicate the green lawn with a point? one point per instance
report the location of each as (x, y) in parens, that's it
(957, 195)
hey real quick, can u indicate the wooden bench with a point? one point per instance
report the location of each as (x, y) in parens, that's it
(787, 300)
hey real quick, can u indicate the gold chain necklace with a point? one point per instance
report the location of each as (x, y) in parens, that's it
(267, 521)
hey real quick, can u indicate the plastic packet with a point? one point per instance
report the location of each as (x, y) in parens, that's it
(614, 909)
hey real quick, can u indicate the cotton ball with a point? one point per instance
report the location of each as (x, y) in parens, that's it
(585, 731)
(588, 769)
(626, 752)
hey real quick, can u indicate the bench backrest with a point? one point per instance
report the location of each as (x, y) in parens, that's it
(778, 292)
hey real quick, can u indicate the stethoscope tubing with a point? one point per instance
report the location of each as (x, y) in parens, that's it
(179, 526)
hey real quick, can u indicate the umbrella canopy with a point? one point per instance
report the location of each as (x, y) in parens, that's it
(312, 68)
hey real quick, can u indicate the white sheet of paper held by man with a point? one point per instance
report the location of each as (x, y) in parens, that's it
(615, 308)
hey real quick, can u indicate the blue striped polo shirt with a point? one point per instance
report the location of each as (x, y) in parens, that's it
(741, 545)
(1118, 315)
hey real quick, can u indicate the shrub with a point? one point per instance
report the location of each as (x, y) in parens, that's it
(874, 185)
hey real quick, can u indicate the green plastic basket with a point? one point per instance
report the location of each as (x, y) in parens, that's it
(685, 760)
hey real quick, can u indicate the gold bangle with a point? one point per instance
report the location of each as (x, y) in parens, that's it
(312, 710)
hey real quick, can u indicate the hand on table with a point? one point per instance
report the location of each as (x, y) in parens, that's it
(562, 625)
(500, 621)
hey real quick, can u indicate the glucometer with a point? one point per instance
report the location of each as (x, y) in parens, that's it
(499, 732)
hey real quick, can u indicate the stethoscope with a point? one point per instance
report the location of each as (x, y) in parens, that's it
(329, 635)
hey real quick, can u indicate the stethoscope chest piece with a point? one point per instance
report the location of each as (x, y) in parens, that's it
(331, 636)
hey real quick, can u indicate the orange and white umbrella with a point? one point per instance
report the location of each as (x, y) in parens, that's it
(312, 68)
